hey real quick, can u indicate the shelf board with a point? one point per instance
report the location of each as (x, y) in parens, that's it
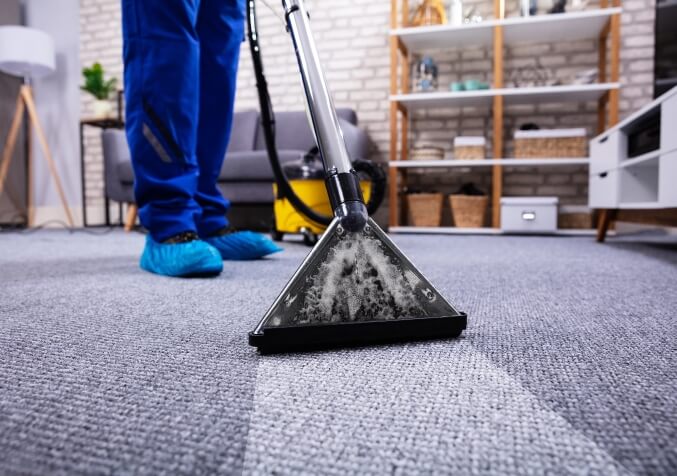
(452, 230)
(572, 26)
(635, 161)
(436, 37)
(527, 95)
(584, 25)
(488, 163)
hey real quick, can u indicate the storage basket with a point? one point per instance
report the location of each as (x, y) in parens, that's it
(574, 217)
(425, 209)
(468, 210)
(575, 221)
(469, 148)
(551, 143)
(427, 153)
(429, 12)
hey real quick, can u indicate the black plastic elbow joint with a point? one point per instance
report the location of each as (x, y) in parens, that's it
(346, 200)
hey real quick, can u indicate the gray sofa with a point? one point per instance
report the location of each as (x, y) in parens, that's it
(246, 177)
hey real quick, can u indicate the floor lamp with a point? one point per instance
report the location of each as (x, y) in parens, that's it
(28, 53)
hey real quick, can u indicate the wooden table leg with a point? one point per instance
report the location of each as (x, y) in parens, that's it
(130, 221)
(606, 216)
(42, 138)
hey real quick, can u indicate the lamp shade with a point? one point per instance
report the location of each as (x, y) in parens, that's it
(26, 52)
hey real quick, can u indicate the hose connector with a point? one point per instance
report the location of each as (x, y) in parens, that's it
(345, 196)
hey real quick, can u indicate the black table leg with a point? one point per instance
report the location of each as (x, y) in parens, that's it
(82, 176)
(107, 204)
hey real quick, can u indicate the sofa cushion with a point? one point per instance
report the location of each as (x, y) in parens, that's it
(253, 165)
(292, 131)
(243, 134)
(125, 172)
(248, 192)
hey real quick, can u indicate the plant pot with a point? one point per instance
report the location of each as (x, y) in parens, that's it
(102, 108)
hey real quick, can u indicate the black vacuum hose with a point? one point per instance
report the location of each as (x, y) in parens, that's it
(284, 189)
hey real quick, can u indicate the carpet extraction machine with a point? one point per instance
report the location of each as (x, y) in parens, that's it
(355, 287)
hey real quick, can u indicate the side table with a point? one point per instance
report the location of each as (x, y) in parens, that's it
(107, 123)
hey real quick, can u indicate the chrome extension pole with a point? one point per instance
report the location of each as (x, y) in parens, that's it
(342, 181)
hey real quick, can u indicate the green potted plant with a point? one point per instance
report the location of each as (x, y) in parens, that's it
(100, 88)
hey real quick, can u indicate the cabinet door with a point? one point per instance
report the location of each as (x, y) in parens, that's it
(667, 179)
(607, 151)
(603, 190)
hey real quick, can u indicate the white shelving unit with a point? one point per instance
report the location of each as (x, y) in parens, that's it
(646, 183)
(599, 24)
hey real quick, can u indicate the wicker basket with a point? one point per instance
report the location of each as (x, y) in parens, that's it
(555, 143)
(469, 148)
(427, 153)
(577, 220)
(430, 12)
(468, 210)
(425, 209)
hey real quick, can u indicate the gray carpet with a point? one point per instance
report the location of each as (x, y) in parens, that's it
(569, 366)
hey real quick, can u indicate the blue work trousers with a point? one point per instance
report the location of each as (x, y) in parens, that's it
(180, 60)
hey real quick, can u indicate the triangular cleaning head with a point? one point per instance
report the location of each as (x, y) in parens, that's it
(355, 289)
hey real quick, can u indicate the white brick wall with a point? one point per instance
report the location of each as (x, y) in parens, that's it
(101, 40)
(352, 39)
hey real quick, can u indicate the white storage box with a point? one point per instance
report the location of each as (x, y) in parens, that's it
(529, 214)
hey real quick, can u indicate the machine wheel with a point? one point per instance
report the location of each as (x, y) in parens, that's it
(276, 235)
(309, 238)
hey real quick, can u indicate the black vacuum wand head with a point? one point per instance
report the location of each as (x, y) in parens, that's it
(355, 287)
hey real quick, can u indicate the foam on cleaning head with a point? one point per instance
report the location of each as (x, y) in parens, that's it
(358, 281)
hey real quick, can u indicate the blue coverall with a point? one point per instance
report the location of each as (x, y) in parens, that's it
(181, 60)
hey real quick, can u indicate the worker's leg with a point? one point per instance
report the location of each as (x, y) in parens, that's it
(161, 55)
(220, 28)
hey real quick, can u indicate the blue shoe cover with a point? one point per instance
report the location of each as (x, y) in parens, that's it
(243, 245)
(194, 258)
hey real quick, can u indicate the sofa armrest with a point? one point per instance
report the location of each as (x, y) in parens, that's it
(357, 141)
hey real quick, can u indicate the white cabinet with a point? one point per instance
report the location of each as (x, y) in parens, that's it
(669, 123)
(632, 168)
(667, 180)
(605, 152)
(603, 191)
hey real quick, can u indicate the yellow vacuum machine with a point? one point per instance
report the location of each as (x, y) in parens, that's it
(307, 179)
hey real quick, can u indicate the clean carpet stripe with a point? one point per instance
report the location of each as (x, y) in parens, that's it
(435, 408)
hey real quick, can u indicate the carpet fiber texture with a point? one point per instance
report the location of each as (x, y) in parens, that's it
(568, 366)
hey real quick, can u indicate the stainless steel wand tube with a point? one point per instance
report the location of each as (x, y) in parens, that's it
(342, 181)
